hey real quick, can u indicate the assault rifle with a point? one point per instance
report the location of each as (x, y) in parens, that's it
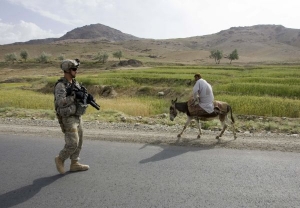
(88, 98)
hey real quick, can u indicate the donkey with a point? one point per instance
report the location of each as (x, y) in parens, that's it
(221, 111)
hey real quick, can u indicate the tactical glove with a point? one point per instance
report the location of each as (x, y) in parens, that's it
(79, 95)
(90, 98)
(69, 91)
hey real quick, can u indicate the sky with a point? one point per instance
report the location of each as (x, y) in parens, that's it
(24, 20)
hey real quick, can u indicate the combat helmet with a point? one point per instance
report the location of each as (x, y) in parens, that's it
(68, 64)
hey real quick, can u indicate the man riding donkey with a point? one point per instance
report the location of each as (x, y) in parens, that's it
(202, 103)
(202, 106)
(203, 97)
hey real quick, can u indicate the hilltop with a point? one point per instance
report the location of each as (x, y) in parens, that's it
(93, 32)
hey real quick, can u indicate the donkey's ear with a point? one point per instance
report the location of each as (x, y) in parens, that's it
(175, 100)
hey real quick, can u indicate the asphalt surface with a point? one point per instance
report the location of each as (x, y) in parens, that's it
(142, 176)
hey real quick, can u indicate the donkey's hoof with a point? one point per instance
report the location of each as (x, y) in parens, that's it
(178, 136)
(198, 137)
(217, 137)
(235, 137)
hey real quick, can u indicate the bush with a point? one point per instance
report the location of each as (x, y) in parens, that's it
(101, 57)
(61, 57)
(43, 58)
(118, 55)
(24, 54)
(11, 57)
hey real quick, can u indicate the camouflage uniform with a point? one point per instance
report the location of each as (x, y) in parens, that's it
(69, 107)
(69, 119)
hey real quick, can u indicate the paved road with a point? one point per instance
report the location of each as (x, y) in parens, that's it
(142, 176)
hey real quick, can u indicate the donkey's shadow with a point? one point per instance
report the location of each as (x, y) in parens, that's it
(179, 147)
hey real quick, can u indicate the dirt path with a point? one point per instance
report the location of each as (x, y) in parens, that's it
(156, 134)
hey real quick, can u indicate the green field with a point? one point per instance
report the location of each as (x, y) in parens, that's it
(272, 91)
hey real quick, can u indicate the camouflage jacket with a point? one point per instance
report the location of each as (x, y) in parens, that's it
(65, 105)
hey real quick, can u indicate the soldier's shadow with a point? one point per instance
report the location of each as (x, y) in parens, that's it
(20, 195)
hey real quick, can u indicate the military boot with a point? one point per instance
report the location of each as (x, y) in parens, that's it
(59, 165)
(76, 166)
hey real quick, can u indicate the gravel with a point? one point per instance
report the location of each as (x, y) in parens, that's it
(156, 134)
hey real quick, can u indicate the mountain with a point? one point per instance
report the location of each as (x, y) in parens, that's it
(88, 32)
(259, 43)
(97, 31)
(255, 44)
(264, 35)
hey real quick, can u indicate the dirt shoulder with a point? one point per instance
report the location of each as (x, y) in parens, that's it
(156, 135)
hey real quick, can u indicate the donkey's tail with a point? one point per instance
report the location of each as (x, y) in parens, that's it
(230, 109)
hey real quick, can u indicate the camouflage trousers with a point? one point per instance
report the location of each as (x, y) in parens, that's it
(72, 128)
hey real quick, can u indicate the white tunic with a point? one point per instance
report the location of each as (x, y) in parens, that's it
(203, 90)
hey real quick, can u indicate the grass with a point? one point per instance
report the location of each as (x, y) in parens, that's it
(263, 106)
(259, 89)
(27, 99)
(145, 106)
(262, 91)
(16, 98)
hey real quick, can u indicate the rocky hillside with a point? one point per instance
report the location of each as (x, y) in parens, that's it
(260, 43)
(259, 34)
(97, 31)
(89, 32)
(255, 44)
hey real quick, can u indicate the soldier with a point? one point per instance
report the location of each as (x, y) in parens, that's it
(69, 107)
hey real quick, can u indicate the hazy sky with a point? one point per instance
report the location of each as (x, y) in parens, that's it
(23, 20)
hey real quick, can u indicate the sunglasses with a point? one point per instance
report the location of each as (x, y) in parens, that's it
(74, 69)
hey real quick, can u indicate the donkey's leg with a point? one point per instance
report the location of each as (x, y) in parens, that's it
(224, 125)
(232, 123)
(232, 127)
(199, 127)
(233, 130)
(223, 119)
(188, 121)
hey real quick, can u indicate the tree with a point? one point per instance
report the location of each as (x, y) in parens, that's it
(233, 56)
(217, 55)
(118, 55)
(101, 57)
(24, 54)
(10, 57)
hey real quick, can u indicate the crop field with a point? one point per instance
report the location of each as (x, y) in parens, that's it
(262, 91)
(272, 91)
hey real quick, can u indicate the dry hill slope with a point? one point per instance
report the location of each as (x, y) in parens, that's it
(255, 44)
(261, 43)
